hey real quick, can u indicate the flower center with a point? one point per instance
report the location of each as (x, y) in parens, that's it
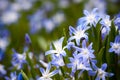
(90, 18)
(100, 72)
(116, 46)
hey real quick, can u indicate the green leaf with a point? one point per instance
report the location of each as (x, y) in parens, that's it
(24, 75)
(99, 56)
(42, 43)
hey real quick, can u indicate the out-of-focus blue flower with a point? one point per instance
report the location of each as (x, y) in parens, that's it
(2, 70)
(117, 21)
(85, 52)
(90, 18)
(25, 4)
(13, 76)
(48, 6)
(36, 21)
(59, 50)
(57, 61)
(4, 43)
(58, 18)
(46, 74)
(63, 3)
(78, 34)
(1, 55)
(27, 39)
(101, 74)
(18, 60)
(115, 47)
(9, 17)
(3, 4)
(100, 4)
(48, 24)
(20, 77)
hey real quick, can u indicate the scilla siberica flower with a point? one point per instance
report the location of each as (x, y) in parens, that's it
(115, 46)
(101, 74)
(57, 61)
(77, 63)
(106, 23)
(117, 21)
(18, 60)
(90, 18)
(85, 52)
(59, 50)
(74, 62)
(78, 34)
(46, 74)
(2, 70)
(13, 76)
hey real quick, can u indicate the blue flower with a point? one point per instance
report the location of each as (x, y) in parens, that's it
(20, 77)
(36, 21)
(46, 74)
(77, 63)
(18, 60)
(74, 62)
(78, 34)
(85, 52)
(2, 70)
(25, 5)
(48, 24)
(27, 39)
(117, 21)
(57, 61)
(101, 74)
(4, 42)
(9, 17)
(115, 47)
(13, 76)
(59, 50)
(90, 18)
(106, 22)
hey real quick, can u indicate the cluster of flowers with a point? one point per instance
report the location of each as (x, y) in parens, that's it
(10, 11)
(40, 19)
(78, 45)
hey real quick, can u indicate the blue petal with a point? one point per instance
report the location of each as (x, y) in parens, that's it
(92, 73)
(78, 41)
(42, 71)
(103, 77)
(86, 13)
(72, 30)
(20, 77)
(104, 66)
(94, 10)
(109, 74)
(94, 66)
(84, 44)
(50, 52)
(97, 78)
(48, 68)
(69, 65)
(110, 50)
(80, 73)
(53, 73)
